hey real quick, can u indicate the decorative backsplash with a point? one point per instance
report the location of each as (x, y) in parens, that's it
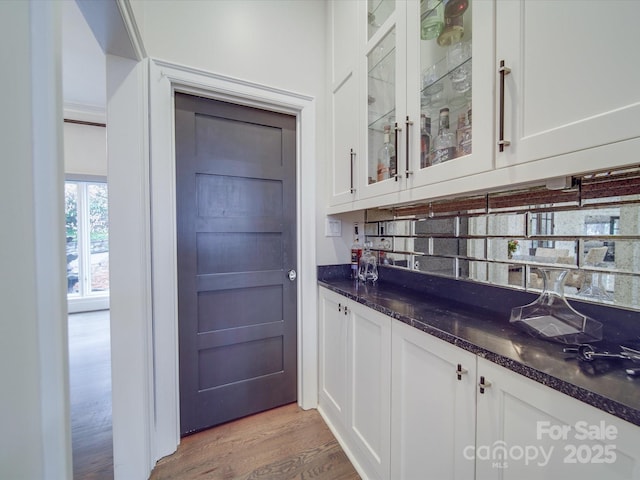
(592, 228)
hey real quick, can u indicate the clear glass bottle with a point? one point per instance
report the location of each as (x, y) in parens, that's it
(445, 142)
(454, 8)
(431, 19)
(386, 157)
(452, 32)
(464, 134)
(425, 140)
(368, 265)
(356, 252)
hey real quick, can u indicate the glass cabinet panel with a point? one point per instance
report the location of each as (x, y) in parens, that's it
(445, 80)
(378, 11)
(381, 100)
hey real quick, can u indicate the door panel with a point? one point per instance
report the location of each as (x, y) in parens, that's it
(235, 182)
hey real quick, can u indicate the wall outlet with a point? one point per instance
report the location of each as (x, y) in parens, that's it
(332, 227)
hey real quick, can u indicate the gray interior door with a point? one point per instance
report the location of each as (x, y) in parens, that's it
(236, 214)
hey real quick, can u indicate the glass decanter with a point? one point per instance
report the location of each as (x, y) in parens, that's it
(551, 317)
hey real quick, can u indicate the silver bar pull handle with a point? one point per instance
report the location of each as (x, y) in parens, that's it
(407, 171)
(460, 371)
(353, 158)
(501, 141)
(396, 129)
(483, 384)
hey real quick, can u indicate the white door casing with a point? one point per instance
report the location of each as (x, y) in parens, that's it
(164, 79)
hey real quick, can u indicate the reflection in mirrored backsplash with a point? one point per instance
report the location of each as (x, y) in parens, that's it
(501, 239)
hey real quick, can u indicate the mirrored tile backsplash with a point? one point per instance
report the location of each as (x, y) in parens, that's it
(592, 229)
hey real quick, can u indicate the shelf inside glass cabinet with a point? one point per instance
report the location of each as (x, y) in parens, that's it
(446, 86)
(445, 80)
(381, 79)
(378, 11)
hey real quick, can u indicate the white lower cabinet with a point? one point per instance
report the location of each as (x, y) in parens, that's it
(406, 405)
(433, 407)
(333, 330)
(355, 381)
(526, 430)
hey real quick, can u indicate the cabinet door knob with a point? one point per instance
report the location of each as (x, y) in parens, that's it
(340, 307)
(460, 371)
(483, 384)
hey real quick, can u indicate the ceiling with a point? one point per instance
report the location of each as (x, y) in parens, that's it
(83, 63)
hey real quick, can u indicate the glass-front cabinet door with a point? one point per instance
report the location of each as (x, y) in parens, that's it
(449, 89)
(429, 95)
(385, 43)
(378, 12)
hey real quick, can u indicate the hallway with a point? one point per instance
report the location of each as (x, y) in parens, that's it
(283, 443)
(90, 380)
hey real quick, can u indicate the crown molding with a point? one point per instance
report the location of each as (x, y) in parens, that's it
(85, 113)
(132, 29)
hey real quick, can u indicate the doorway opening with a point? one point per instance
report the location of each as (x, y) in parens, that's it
(87, 246)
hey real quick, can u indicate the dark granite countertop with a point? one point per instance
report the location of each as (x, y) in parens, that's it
(476, 320)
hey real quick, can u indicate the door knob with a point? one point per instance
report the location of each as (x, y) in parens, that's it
(292, 275)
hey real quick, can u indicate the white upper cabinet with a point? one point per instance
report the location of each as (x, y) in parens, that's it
(343, 45)
(380, 94)
(422, 75)
(343, 38)
(344, 127)
(449, 81)
(574, 77)
(423, 63)
(529, 89)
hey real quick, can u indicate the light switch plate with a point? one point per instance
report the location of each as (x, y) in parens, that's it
(332, 227)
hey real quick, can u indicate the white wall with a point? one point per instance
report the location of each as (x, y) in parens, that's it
(274, 42)
(130, 269)
(337, 250)
(277, 43)
(85, 149)
(34, 413)
(20, 447)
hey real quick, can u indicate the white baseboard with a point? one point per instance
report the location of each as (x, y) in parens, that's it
(87, 304)
(343, 444)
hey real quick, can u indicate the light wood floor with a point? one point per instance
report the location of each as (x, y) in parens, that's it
(90, 388)
(285, 443)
